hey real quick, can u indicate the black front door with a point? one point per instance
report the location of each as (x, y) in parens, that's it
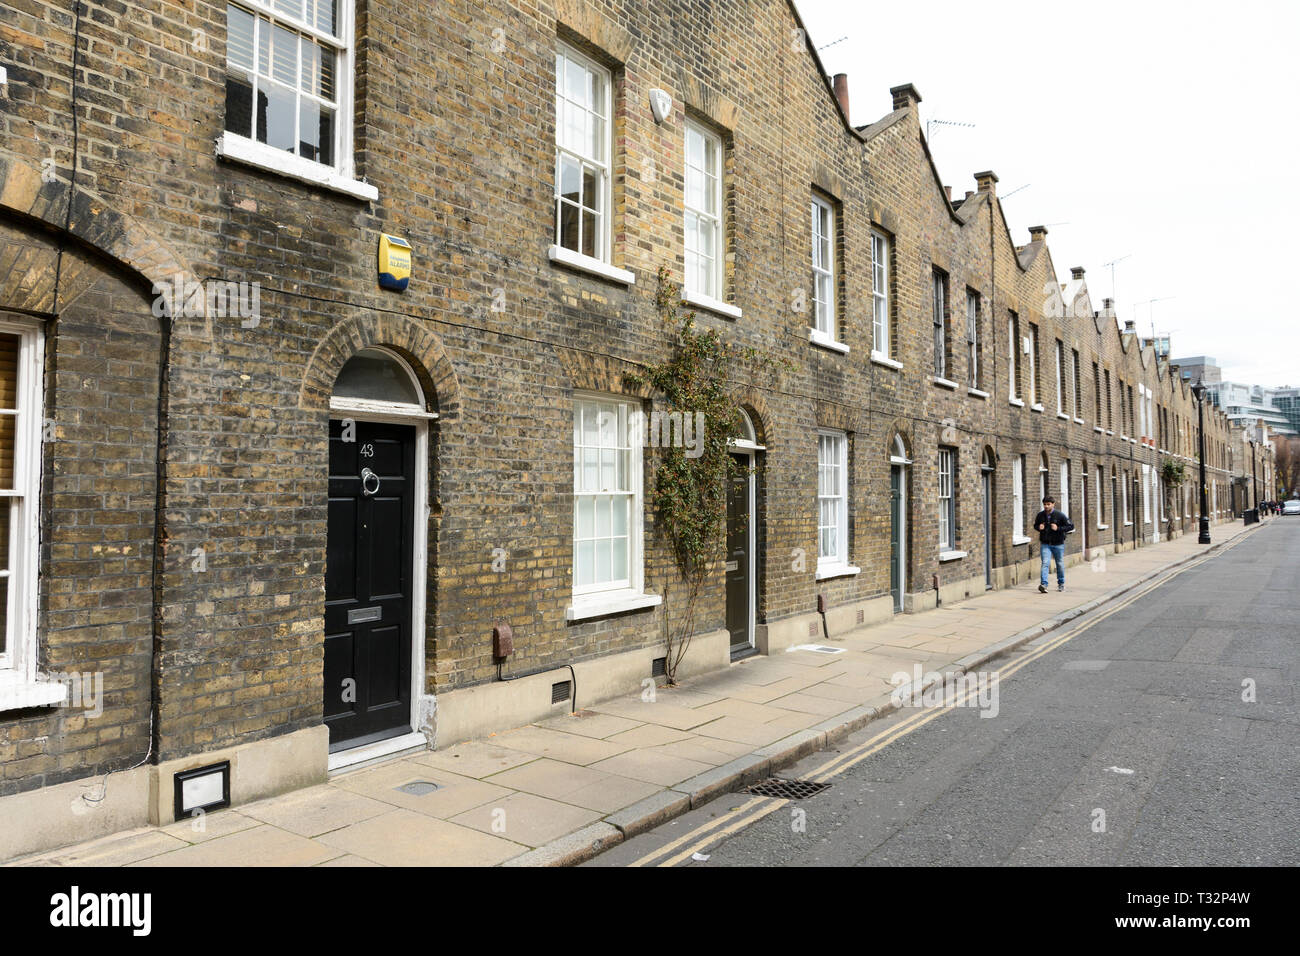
(987, 483)
(739, 546)
(368, 582)
(897, 534)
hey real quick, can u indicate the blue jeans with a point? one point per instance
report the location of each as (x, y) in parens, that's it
(1048, 552)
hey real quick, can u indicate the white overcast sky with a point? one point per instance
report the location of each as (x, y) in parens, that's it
(1165, 132)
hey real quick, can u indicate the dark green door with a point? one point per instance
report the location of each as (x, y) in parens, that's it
(897, 519)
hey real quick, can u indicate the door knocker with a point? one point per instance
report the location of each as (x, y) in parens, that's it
(366, 476)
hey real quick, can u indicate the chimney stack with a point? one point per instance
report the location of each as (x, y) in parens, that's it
(1037, 233)
(947, 191)
(1130, 327)
(969, 193)
(1108, 305)
(840, 82)
(1077, 272)
(905, 97)
(986, 182)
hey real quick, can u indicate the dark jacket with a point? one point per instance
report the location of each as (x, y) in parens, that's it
(1047, 535)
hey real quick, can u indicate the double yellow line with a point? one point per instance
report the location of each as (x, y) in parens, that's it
(757, 808)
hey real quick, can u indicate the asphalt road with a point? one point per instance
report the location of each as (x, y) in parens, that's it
(1129, 744)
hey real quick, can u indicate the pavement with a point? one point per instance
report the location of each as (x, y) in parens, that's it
(563, 790)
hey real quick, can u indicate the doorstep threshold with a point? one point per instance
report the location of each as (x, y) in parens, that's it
(352, 759)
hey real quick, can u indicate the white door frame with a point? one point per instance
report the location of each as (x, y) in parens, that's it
(393, 413)
(903, 464)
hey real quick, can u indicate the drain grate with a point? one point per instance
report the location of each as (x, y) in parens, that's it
(786, 789)
(418, 788)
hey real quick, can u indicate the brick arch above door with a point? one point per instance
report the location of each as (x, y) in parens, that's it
(421, 349)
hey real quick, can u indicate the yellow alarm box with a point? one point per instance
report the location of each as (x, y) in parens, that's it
(394, 262)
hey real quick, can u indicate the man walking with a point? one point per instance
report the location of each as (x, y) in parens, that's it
(1052, 527)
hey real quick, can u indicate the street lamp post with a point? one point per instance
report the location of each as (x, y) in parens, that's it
(1199, 391)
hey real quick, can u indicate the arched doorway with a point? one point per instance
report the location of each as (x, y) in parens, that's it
(898, 465)
(742, 538)
(987, 466)
(375, 556)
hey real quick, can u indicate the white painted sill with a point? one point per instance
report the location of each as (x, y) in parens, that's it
(1063, 415)
(1097, 429)
(945, 556)
(710, 304)
(880, 358)
(977, 393)
(837, 571)
(1078, 421)
(945, 383)
(241, 149)
(602, 270)
(1036, 407)
(1103, 527)
(1110, 431)
(1128, 524)
(1020, 539)
(822, 340)
(1016, 402)
(17, 693)
(600, 606)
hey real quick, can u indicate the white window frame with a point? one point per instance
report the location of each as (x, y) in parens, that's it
(1076, 384)
(711, 186)
(1060, 380)
(1013, 347)
(947, 498)
(1032, 366)
(247, 149)
(1064, 493)
(598, 598)
(1043, 484)
(601, 165)
(973, 337)
(823, 268)
(1018, 501)
(880, 253)
(939, 307)
(20, 683)
(1123, 490)
(1146, 494)
(1101, 499)
(838, 443)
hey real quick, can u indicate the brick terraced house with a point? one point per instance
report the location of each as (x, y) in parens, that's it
(264, 514)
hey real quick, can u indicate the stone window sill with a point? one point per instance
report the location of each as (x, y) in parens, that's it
(1020, 539)
(710, 304)
(821, 339)
(1063, 415)
(880, 358)
(615, 602)
(602, 270)
(945, 383)
(17, 693)
(945, 556)
(977, 393)
(837, 571)
(1036, 407)
(1016, 402)
(241, 149)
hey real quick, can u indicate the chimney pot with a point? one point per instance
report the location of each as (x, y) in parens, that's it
(1077, 272)
(905, 96)
(840, 83)
(986, 181)
(1037, 233)
(1108, 304)
(1130, 327)
(969, 193)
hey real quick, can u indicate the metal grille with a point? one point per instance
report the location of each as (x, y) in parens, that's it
(560, 692)
(659, 667)
(786, 789)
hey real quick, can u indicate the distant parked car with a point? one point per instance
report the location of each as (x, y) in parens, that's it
(1291, 507)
